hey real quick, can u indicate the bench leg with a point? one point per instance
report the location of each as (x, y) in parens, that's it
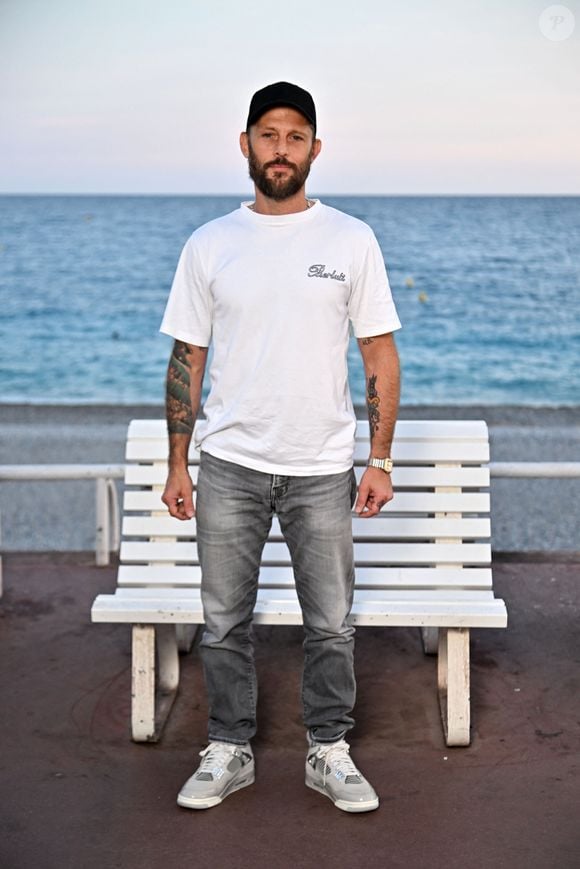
(151, 702)
(453, 684)
(430, 638)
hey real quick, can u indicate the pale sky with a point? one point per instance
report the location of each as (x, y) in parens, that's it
(424, 97)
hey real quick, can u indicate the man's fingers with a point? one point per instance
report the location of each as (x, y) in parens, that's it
(179, 501)
(363, 494)
(368, 504)
(372, 509)
(173, 505)
(187, 507)
(180, 508)
(365, 506)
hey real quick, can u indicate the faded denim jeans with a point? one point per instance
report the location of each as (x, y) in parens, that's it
(235, 506)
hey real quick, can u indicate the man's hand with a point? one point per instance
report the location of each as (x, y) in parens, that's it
(374, 492)
(178, 494)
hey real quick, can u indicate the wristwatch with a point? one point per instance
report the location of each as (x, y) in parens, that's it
(385, 465)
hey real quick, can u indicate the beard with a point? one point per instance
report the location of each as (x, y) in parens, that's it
(278, 187)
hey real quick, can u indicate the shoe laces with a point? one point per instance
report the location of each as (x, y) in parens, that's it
(337, 754)
(217, 754)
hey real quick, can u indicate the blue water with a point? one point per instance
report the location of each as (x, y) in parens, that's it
(487, 288)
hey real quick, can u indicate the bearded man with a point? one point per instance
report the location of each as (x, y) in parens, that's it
(275, 286)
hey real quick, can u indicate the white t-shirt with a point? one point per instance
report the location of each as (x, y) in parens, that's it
(275, 294)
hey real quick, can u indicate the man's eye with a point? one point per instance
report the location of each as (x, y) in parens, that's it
(299, 138)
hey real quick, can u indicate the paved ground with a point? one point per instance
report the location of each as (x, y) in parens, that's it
(75, 792)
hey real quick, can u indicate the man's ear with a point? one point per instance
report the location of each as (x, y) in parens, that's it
(316, 147)
(244, 144)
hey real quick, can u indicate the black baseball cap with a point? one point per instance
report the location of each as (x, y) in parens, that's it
(282, 93)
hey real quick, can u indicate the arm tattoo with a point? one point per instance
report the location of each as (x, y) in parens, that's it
(178, 396)
(366, 340)
(373, 401)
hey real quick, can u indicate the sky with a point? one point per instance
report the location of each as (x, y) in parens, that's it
(417, 97)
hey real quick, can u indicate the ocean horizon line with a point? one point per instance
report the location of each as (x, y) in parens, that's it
(140, 195)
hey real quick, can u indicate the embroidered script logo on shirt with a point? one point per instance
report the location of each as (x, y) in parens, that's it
(318, 271)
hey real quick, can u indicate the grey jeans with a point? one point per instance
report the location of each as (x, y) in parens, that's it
(234, 511)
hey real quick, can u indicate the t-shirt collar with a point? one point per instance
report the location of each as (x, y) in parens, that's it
(279, 219)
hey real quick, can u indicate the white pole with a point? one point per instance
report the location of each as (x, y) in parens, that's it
(60, 472)
(558, 470)
(103, 542)
(115, 516)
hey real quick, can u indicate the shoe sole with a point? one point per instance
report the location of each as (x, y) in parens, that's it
(210, 802)
(345, 805)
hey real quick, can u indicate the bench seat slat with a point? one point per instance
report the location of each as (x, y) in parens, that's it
(415, 502)
(181, 576)
(274, 595)
(404, 476)
(365, 553)
(408, 451)
(453, 613)
(387, 527)
(417, 452)
(405, 428)
(432, 429)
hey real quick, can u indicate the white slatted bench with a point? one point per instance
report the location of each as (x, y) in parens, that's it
(424, 561)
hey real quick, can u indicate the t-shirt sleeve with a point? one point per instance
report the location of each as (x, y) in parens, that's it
(371, 307)
(188, 313)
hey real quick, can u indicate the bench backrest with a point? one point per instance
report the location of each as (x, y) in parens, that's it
(434, 535)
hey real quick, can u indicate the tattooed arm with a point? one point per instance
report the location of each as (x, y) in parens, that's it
(182, 399)
(381, 363)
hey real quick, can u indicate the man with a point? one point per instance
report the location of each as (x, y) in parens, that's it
(274, 285)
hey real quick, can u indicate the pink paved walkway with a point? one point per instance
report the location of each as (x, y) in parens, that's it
(75, 792)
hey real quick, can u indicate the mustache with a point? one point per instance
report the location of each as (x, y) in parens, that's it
(281, 162)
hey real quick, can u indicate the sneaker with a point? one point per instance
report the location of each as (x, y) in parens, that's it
(330, 771)
(225, 768)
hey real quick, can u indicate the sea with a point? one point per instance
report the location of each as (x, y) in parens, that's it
(487, 289)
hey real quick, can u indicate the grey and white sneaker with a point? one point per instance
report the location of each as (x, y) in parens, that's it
(225, 768)
(330, 771)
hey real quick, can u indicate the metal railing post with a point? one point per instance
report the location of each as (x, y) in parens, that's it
(115, 522)
(103, 537)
